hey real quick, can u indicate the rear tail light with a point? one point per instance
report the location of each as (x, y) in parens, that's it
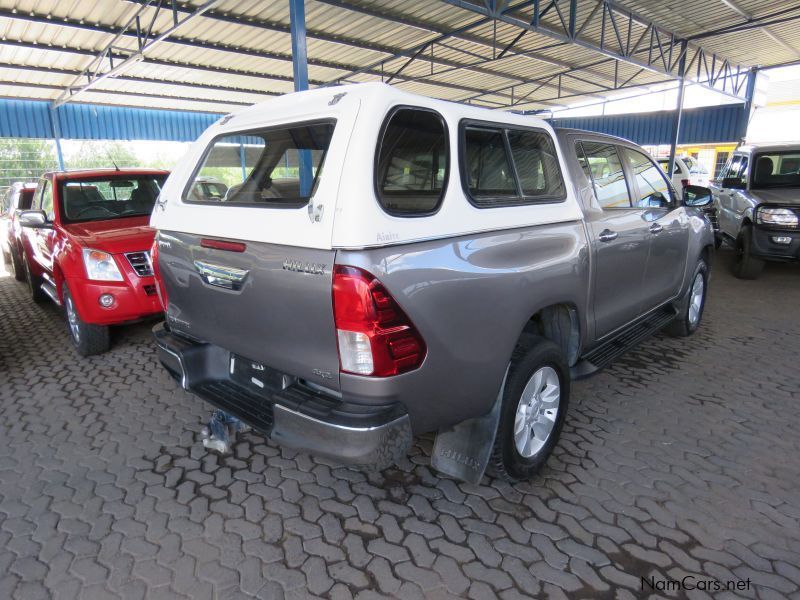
(160, 289)
(375, 336)
(684, 182)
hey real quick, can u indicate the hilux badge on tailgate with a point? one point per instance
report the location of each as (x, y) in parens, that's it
(303, 267)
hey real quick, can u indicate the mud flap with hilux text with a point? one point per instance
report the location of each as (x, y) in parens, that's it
(463, 451)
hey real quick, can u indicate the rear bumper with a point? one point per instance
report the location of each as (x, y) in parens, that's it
(285, 409)
(765, 246)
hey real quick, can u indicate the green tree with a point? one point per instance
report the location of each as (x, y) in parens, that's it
(25, 159)
(92, 154)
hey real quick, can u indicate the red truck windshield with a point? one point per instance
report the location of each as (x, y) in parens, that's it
(109, 197)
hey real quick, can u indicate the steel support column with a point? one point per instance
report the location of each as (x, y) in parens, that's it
(676, 121)
(297, 18)
(54, 126)
(747, 109)
(243, 161)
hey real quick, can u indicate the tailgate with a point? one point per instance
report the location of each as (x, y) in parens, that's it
(270, 303)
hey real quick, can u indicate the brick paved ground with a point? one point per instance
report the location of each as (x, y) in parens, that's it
(683, 458)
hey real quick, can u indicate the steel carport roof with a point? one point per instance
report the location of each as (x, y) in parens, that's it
(518, 54)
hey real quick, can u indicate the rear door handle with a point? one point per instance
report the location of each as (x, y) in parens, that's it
(656, 228)
(607, 235)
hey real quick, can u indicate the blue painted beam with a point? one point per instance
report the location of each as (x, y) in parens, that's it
(56, 131)
(707, 125)
(32, 119)
(297, 18)
(676, 121)
(747, 109)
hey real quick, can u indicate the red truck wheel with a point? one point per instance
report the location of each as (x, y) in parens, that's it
(88, 339)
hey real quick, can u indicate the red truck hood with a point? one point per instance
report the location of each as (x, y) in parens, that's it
(120, 235)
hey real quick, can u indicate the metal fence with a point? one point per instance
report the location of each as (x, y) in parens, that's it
(25, 160)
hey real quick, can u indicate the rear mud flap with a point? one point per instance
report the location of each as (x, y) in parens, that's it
(463, 451)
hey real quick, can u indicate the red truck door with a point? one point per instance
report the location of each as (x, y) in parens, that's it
(42, 239)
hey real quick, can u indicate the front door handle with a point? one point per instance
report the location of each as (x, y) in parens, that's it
(656, 228)
(607, 235)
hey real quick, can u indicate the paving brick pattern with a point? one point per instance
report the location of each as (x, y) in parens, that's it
(682, 458)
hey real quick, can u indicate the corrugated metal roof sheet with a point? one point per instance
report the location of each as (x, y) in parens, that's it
(245, 45)
(698, 126)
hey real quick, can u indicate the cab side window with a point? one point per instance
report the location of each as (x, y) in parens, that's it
(741, 173)
(735, 167)
(654, 189)
(46, 200)
(602, 166)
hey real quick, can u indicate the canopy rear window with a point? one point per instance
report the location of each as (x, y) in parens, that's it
(276, 167)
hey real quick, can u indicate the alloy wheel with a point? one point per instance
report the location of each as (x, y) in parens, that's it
(537, 412)
(696, 299)
(72, 319)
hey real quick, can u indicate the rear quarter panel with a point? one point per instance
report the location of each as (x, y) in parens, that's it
(470, 297)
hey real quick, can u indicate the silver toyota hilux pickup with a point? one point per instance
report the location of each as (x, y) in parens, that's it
(383, 265)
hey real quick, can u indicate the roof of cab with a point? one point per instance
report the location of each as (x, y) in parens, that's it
(761, 147)
(569, 131)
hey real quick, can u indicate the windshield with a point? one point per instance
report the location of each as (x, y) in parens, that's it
(776, 169)
(109, 197)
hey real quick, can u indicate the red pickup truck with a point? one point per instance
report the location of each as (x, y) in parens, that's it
(86, 243)
(17, 199)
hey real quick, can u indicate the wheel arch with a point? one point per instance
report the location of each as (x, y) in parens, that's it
(560, 323)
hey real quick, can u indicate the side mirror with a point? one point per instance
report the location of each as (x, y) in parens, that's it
(734, 183)
(35, 219)
(697, 195)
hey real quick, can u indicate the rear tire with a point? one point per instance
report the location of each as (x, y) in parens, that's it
(746, 266)
(690, 309)
(88, 339)
(535, 401)
(34, 285)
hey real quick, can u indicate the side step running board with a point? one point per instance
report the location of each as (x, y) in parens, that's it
(608, 352)
(49, 289)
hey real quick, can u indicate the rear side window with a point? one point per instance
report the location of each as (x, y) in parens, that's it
(277, 167)
(412, 162)
(510, 167)
(603, 167)
(488, 166)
